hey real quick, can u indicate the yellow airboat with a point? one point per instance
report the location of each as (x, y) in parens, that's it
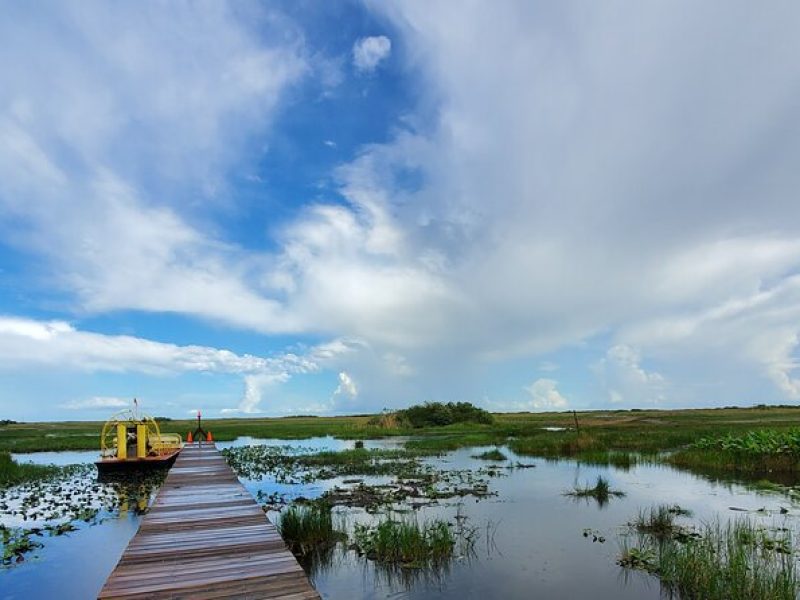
(131, 440)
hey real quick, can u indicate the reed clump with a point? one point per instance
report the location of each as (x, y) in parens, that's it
(734, 561)
(13, 473)
(601, 491)
(659, 521)
(496, 455)
(308, 528)
(406, 542)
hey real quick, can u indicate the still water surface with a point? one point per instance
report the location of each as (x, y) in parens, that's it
(530, 541)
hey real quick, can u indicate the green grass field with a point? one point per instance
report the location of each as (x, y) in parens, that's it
(637, 430)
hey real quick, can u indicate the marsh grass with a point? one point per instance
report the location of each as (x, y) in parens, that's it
(707, 459)
(735, 561)
(601, 491)
(628, 430)
(756, 451)
(406, 542)
(495, 455)
(309, 528)
(434, 444)
(13, 473)
(659, 521)
(609, 458)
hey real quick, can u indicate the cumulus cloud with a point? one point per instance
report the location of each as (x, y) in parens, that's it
(568, 191)
(99, 182)
(754, 333)
(626, 380)
(347, 387)
(544, 394)
(26, 343)
(253, 392)
(29, 344)
(581, 189)
(369, 52)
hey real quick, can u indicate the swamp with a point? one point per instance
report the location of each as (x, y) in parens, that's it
(707, 502)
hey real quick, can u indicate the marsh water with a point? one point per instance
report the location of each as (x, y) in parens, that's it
(530, 540)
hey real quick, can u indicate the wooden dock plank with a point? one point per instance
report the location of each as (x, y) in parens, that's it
(205, 537)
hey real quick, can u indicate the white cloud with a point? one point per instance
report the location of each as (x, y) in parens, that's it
(347, 387)
(149, 119)
(398, 364)
(626, 380)
(253, 392)
(26, 343)
(369, 52)
(753, 334)
(582, 191)
(547, 366)
(544, 394)
(571, 190)
(97, 402)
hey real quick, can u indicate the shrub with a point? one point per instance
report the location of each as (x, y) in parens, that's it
(438, 414)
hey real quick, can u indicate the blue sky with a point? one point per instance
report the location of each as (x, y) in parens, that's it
(272, 208)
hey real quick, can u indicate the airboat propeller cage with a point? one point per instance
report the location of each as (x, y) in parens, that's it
(130, 434)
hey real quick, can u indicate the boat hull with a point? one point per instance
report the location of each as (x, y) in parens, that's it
(150, 463)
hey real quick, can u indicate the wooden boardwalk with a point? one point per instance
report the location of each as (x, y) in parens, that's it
(205, 537)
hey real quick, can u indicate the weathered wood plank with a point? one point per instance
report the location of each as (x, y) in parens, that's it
(205, 537)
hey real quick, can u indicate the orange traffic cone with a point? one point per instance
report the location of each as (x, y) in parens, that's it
(189, 439)
(208, 437)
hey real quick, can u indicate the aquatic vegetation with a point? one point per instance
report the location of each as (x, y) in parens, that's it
(556, 444)
(370, 497)
(595, 535)
(495, 454)
(635, 557)
(12, 472)
(601, 491)
(735, 561)
(293, 465)
(406, 542)
(424, 489)
(16, 543)
(444, 443)
(360, 461)
(659, 521)
(609, 458)
(766, 450)
(764, 441)
(71, 495)
(308, 528)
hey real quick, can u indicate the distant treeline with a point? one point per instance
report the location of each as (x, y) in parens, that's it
(7, 422)
(434, 414)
